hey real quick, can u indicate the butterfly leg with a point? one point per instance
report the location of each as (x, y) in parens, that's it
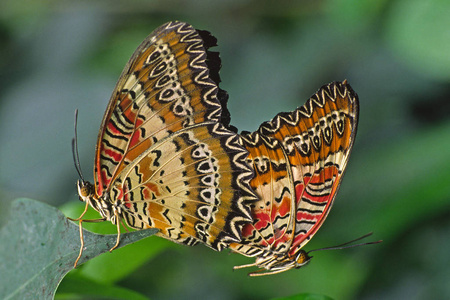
(260, 272)
(245, 266)
(263, 272)
(116, 219)
(84, 212)
(124, 226)
(80, 221)
(118, 237)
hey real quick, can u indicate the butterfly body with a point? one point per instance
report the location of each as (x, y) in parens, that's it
(86, 192)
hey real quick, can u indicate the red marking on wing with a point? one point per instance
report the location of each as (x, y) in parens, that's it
(263, 220)
(112, 154)
(283, 209)
(113, 129)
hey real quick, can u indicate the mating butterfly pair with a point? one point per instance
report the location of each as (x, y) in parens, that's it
(167, 158)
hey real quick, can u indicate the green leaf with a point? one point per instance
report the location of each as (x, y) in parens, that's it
(81, 288)
(119, 264)
(39, 246)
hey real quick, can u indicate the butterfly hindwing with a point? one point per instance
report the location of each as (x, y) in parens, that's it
(273, 213)
(187, 185)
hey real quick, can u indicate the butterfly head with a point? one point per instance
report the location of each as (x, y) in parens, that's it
(85, 190)
(288, 262)
(302, 259)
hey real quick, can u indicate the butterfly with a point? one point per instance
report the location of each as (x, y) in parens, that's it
(299, 159)
(163, 158)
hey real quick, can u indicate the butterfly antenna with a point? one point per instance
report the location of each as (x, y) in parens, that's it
(76, 157)
(346, 245)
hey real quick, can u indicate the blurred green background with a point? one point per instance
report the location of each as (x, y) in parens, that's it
(56, 56)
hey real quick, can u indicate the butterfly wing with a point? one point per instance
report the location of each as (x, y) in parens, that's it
(164, 87)
(188, 186)
(163, 106)
(299, 157)
(273, 213)
(318, 138)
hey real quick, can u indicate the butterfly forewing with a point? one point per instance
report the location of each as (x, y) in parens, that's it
(165, 87)
(162, 156)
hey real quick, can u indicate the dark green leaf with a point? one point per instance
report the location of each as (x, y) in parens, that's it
(39, 246)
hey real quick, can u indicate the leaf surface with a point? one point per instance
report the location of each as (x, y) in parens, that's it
(39, 246)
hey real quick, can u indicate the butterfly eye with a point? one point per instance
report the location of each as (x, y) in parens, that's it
(84, 189)
(302, 259)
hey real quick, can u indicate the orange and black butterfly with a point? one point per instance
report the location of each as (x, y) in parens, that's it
(163, 159)
(167, 158)
(299, 159)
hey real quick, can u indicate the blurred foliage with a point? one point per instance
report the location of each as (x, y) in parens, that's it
(56, 56)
